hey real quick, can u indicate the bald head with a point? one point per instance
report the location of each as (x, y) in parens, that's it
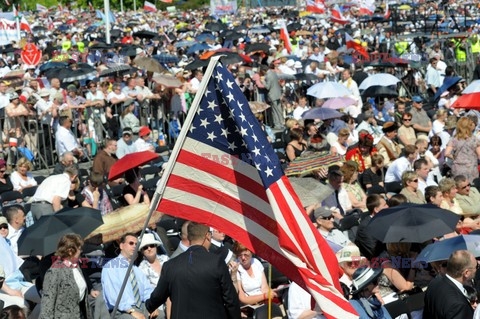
(462, 266)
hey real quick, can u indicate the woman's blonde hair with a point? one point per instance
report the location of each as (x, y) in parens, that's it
(465, 128)
(25, 162)
(344, 132)
(408, 176)
(446, 184)
(290, 123)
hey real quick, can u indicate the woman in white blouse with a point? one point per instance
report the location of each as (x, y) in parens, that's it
(253, 287)
(22, 178)
(151, 265)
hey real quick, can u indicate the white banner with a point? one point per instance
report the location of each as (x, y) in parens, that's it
(221, 7)
(8, 31)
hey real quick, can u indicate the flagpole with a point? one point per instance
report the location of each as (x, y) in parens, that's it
(162, 183)
(106, 5)
(121, 6)
(135, 6)
(269, 291)
(17, 18)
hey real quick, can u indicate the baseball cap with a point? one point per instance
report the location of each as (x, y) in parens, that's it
(127, 130)
(3, 220)
(335, 170)
(321, 212)
(144, 130)
(417, 99)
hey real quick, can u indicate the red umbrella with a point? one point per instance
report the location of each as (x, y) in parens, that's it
(72, 21)
(468, 101)
(130, 161)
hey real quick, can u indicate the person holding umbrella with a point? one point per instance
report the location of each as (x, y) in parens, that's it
(133, 193)
(364, 301)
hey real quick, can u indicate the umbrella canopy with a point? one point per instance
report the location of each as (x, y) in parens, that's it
(166, 58)
(379, 91)
(123, 220)
(42, 237)
(309, 190)
(100, 46)
(116, 70)
(196, 64)
(197, 47)
(447, 84)
(294, 26)
(215, 26)
(305, 165)
(379, 79)
(144, 34)
(204, 36)
(130, 161)
(130, 50)
(258, 107)
(167, 81)
(412, 223)
(339, 103)
(255, 47)
(260, 30)
(325, 90)
(149, 64)
(72, 72)
(183, 44)
(306, 77)
(441, 250)
(473, 87)
(468, 101)
(231, 35)
(321, 113)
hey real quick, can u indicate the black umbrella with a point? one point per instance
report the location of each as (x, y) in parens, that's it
(231, 35)
(412, 223)
(197, 64)
(215, 26)
(294, 27)
(254, 47)
(39, 28)
(130, 50)
(116, 70)
(42, 237)
(100, 46)
(380, 91)
(72, 72)
(145, 34)
(306, 77)
(115, 33)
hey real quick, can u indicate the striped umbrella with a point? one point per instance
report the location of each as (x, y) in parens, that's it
(305, 165)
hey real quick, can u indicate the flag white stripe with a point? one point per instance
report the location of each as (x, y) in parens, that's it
(329, 306)
(241, 167)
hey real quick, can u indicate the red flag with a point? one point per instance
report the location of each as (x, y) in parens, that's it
(352, 44)
(365, 9)
(24, 25)
(90, 6)
(51, 26)
(227, 175)
(316, 6)
(387, 11)
(284, 36)
(148, 6)
(167, 1)
(337, 16)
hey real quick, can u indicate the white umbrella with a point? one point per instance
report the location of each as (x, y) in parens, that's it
(380, 79)
(326, 90)
(473, 87)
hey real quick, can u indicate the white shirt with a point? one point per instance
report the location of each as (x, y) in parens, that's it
(79, 280)
(112, 95)
(298, 301)
(433, 77)
(54, 185)
(65, 141)
(297, 113)
(18, 182)
(458, 284)
(13, 236)
(396, 169)
(335, 236)
(95, 97)
(252, 286)
(141, 145)
(4, 101)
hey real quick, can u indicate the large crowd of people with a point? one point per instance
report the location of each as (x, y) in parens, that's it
(89, 102)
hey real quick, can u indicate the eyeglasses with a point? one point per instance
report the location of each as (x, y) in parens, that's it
(414, 180)
(3, 226)
(149, 246)
(464, 187)
(328, 217)
(407, 120)
(132, 243)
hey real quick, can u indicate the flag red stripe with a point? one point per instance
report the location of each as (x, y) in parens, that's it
(221, 171)
(283, 264)
(214, 195)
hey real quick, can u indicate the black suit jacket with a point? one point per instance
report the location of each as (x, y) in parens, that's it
(369, 246)
(443, 300)
(199, 286)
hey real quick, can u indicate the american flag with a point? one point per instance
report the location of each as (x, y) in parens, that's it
(227, 176)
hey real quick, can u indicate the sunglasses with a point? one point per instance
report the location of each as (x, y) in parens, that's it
(3, 226)
(149, 246)
(3, 170)
(464, 187)
(328, 217)
(414, 180)
(407, 120)
(132, 243)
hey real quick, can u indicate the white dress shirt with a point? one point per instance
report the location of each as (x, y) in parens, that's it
(65, 141)
(396, 169)
(54, 185)
(13, 236)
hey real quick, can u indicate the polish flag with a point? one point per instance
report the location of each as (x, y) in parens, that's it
(366, 10)
(387, 11)
(41, 8)
(148, 6)
(352, 44)
(90, 6)
(316, 6)
(337, 16)
(24, 25)
(284, 36)
(51, 26)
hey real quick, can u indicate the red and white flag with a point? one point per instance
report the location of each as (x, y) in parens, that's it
(24, 25)
(284, 36)
(41, 8)
(352, 44)
(148, 6)
(7, 3)
(316, 6)
(90, 6)
(227, 176)
(167, 1)
(60, 7)
(366, 10)
(51, 26)
(337, 16)
(15, 12)
(387, 11)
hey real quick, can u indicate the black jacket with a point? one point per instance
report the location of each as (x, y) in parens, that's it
(199, 286)
(369, 246)
(443, 300)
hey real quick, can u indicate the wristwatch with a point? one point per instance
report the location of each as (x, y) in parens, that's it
(130, 311)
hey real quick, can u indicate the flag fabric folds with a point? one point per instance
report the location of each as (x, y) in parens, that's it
(148, 6)
(284, 36)
(337, 16)
(227, 175)
(316, 6)
(352, 44)
(387, 11)
(41, 8)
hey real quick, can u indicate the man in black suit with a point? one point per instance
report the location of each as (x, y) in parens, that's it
(446, 298)
(197, 282)
(370, 246)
